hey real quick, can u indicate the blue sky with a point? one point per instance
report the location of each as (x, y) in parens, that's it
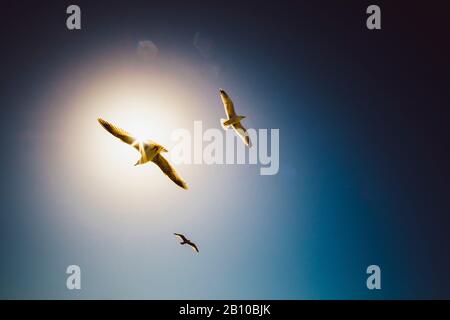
(362, 176)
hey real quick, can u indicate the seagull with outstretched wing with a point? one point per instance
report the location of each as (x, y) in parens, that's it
(184, 240)
(233, 120)
(149, 150)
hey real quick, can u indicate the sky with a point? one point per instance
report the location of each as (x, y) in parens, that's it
(364, 150)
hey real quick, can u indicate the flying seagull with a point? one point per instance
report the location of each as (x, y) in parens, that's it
(184, 240)
(149, 150)
(233, 120)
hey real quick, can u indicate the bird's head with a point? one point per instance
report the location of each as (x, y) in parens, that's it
(162, 149)
(158, 148)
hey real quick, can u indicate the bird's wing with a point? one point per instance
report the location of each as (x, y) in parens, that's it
(242, 132)
(117, 132)
(165, 166)
(228, 104)
(180, 236)
(193, 246)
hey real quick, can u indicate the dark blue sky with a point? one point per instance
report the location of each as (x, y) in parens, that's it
(364, 148)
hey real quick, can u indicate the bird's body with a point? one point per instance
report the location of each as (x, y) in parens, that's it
(185, 240)
(233, 120)
(149, 150)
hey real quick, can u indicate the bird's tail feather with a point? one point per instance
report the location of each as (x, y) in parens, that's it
(140, 161)
(222, 122)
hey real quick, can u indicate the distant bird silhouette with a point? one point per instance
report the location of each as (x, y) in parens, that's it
(184, 240)
(149, 150)
(233, 120)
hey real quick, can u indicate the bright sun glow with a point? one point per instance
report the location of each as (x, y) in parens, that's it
(148, 104)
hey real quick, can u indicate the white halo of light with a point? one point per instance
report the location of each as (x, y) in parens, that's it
(83, 163)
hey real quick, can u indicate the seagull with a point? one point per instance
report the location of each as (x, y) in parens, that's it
(149, 150)
(184, 240)
(233, 120)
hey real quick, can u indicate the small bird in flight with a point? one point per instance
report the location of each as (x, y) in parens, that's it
(233, 120)
(149, 150)
(184, 240)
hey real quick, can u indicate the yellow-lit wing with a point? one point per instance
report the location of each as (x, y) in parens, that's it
(242, 132)
(117, 132)
(165, 166)
(228, 104)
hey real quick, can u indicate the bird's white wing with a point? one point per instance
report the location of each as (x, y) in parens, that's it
(165, 166)
(242, 132)
(118, 132)
(228, 104)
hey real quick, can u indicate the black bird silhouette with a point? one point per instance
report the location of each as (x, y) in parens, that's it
(185, 240)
